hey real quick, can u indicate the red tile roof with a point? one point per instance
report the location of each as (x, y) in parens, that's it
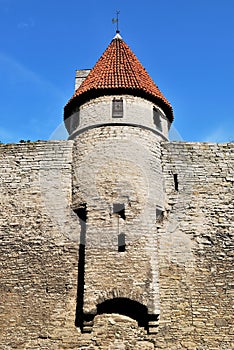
(118, 71)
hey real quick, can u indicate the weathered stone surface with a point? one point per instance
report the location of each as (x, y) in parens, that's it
(196, 249)
(40, 236)
(137, 111)
(109, 168)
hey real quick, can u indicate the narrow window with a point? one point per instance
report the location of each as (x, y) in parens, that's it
(168, 125)
(117, 108)
(157, 119)
(176, 181)
(159, 214)
(74, 120)
(121, 242)
(118, 208)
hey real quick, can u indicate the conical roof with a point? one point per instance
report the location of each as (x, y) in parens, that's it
(118, 71)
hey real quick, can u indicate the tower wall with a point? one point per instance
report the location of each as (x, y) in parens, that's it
(119, 165)
(136, 111)
(103, 233)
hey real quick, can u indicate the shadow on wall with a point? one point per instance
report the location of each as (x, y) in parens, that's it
(82, 215)
(122, 306)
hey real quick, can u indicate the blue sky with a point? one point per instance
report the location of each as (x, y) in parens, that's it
(186, 46)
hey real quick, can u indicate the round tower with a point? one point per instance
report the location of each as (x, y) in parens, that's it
(117, 117)
(118, 90)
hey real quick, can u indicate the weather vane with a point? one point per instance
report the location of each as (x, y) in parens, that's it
(116, 20)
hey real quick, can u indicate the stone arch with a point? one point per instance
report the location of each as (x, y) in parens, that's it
(126, 307)
(119, 293)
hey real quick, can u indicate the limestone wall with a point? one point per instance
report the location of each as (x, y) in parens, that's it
(39, 244)
(196, 247)
(40, 236)
(112, 167)
(136, 111)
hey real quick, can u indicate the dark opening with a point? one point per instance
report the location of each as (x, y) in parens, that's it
(119, 208)
(157, 119)
(127, 307)
(82, 215)
(121, 242)
(73, 121)
(176, 181)
(117, 108)
(159, 214)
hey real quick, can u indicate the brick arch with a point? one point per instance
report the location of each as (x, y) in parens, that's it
(126, 307)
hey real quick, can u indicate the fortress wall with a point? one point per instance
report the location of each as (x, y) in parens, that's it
(39, 244)
(39, 237)
(196, 247)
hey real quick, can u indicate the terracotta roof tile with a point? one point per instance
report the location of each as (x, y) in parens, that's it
(118, 71)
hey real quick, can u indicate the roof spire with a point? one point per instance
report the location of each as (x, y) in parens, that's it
(116, 20)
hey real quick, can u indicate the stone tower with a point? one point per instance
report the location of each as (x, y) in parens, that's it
(148, 217)
(117, 118)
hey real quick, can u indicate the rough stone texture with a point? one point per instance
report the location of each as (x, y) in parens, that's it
(40, 235)
(39, 238)
(136, 111)
(109, 167)
(196, 247)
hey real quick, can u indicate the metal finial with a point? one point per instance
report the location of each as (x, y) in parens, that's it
(116, 20)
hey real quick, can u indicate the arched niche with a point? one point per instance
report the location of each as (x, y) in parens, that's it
(126, 307)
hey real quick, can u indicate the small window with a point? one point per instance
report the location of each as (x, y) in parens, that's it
(75, 120)
(176, 183)
(117, 108)
(119, 208)
(159, 214)
(157, 119)
(168, 125)
(121, 242)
